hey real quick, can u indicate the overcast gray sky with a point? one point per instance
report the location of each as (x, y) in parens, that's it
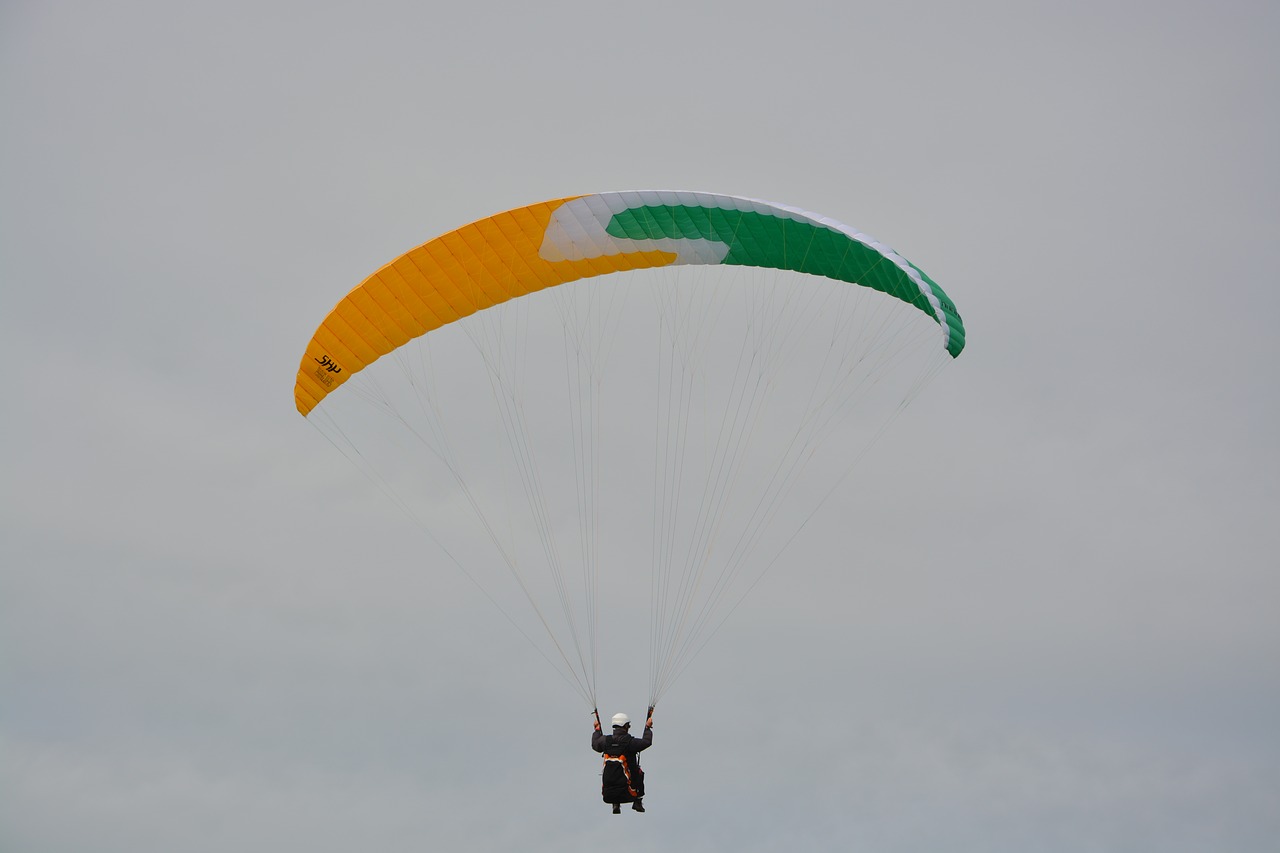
(195, 657)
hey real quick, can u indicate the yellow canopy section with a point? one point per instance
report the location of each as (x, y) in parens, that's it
(457, 274)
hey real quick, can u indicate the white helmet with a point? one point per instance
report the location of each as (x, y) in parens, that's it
(621, 719)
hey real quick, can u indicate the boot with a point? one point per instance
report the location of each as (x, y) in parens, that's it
(638, 806)
(617, 808)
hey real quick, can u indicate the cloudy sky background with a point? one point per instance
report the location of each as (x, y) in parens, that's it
(1082, 655)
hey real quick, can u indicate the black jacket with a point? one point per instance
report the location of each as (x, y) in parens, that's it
(622, 780)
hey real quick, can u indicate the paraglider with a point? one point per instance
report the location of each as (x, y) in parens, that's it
(739, 382)
(622, 780)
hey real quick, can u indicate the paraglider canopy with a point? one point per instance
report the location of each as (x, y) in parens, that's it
(825, 315)
(530, 248)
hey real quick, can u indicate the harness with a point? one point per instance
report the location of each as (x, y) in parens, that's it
(626, 769)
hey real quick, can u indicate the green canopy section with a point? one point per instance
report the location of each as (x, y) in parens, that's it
(762, 239)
